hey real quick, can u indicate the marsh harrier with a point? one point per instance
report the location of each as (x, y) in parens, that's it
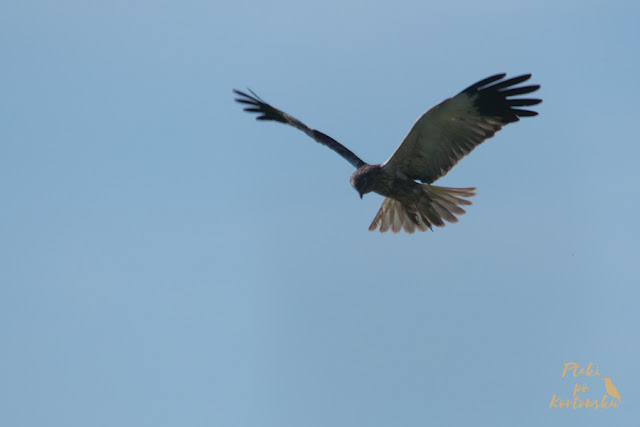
(439, 139)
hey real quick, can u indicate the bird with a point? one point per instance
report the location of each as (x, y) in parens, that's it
(611, 389)
(437, 141)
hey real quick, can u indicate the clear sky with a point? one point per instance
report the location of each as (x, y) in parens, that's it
(166, 260)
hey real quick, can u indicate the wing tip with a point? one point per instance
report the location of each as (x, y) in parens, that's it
(484, 82)
(493, 97)
(248, 98)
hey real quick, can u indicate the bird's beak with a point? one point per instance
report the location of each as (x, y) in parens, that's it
(360, 196)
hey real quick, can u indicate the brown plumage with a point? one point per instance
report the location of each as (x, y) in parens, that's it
(438, 140)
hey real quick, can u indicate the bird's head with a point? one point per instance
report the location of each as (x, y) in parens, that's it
(365, 179)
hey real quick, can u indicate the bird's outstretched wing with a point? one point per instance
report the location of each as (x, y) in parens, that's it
(267, 112)
(453, 128)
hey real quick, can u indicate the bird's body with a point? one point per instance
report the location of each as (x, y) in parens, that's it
(611, 389)
(438, 140)
(408, 204)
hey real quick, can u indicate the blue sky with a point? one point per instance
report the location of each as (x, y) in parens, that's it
(167, 260)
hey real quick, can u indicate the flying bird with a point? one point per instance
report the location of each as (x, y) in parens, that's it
(611, 389)
(438, 140)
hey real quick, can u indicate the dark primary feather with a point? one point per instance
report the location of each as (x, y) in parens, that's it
(484, 82)
(267, 112)
(264, 110)
(493, 100)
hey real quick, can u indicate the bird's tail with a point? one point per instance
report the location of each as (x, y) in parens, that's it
(431, 207)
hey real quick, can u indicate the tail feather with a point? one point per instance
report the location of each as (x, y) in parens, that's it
(446, 214)
(450, 206)
(432, 207)
(429, 214)
(409, 225)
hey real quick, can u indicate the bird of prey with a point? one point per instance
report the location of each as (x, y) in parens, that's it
(438, 140)
(611, 389)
